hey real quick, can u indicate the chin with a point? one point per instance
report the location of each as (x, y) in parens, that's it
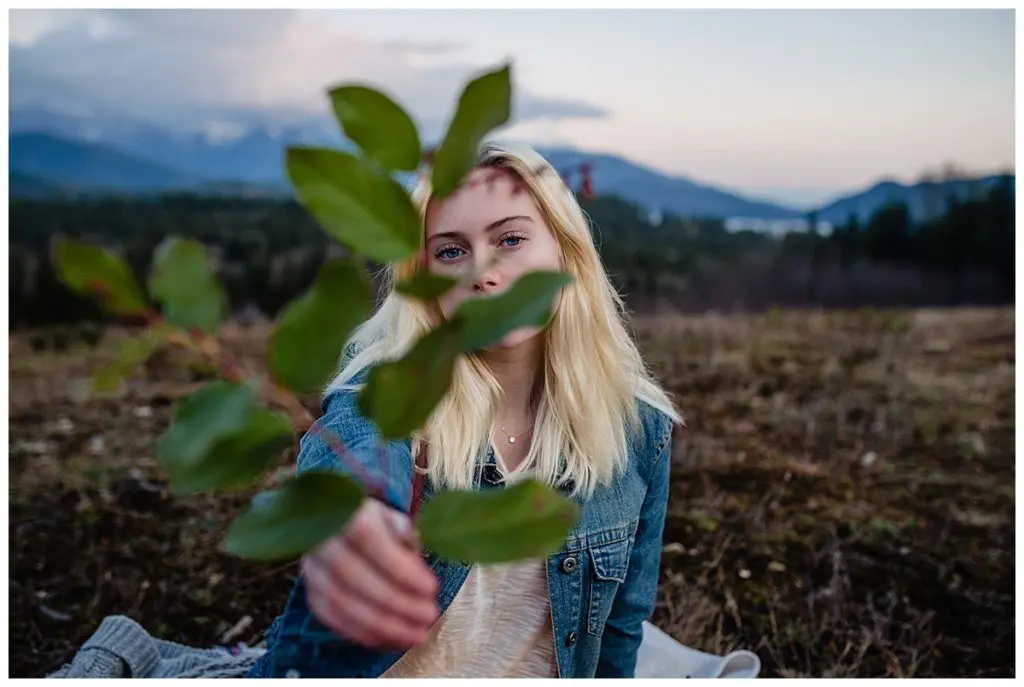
(515, 339)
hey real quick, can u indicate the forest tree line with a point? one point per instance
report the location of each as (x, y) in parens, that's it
(268, 252)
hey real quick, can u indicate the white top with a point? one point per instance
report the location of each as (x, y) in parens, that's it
(498, 625)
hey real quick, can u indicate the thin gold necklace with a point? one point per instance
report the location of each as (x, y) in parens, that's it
(512, 438)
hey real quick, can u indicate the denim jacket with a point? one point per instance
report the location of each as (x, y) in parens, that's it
(602, 582)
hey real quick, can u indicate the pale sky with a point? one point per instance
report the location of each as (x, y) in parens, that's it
(792, 105)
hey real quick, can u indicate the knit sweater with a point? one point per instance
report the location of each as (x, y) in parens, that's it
(121, 648)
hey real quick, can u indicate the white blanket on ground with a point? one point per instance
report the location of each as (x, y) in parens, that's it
(122, 648)
(661, 656)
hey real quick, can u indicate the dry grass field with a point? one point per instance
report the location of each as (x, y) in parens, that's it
(842, 501)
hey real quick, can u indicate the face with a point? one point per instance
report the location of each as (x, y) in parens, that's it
(493, 231)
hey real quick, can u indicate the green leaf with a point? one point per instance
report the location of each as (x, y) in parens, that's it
(362, 208)
(96, 271)
(218, 411)
(378, 125)
(306, 345)
(526, 304)
(485, 104)
(526, 520)
(182, 279)
(427, 286)
(239, 458)
(131, 353)
(400, 395)
(288, 522)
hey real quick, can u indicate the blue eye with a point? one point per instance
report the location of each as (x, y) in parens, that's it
(449, 253)
(512, 240)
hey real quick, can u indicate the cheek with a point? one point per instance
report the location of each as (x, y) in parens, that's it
(450, 301)
(537, 255)
(547, 255)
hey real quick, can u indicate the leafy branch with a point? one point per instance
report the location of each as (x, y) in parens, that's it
(225, 436)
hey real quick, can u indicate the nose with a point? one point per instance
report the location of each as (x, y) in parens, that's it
(485, 283)
(487, 280)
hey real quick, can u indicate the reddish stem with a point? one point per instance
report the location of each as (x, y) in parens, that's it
(375, 488)
(151, 317)
(301, 418)
(230, 368)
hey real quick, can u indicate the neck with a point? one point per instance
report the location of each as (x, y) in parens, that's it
(517, 370)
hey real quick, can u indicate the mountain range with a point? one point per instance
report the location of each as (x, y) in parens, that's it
(55, 153)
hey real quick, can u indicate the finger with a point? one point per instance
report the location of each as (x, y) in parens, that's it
(318, 567)
(359, 578)
(348, 568)
(403, 567)
(316, 572)
(333, 612)
(320, 593)
(328, 549)
(378, 629)
(402, 526)
(340, 569)
(350, 618)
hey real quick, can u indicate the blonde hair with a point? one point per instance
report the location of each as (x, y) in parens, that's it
(593, 372)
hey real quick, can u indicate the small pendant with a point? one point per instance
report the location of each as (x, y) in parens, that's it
(511, 440)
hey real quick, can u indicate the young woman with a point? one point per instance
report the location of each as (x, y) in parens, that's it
(570, 404)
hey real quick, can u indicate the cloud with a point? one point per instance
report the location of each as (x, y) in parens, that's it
(542, 107)
(182, 68)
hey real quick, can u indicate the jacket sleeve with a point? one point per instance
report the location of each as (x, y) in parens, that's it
(636, 597)
(343, 439)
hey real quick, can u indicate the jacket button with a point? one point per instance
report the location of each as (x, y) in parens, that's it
(570, 640)
(569, 565)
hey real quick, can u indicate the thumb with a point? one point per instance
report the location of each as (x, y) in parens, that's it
(403, 527)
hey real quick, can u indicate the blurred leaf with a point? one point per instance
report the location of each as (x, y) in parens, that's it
(240, 458)
(217, 411)
(526, 520)
(306, 345)
(288, 522)
(362, 208)
(378, 125)
(131, 353)
(400, 395)
(96, 271)
(526, 304)
(427, 286)
(184, 282)
(485, 104)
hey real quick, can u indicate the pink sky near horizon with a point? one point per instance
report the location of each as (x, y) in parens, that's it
(793, 106)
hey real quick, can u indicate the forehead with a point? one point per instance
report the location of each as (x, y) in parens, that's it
(486, 196)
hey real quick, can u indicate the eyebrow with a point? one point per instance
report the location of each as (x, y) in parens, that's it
(490, 227)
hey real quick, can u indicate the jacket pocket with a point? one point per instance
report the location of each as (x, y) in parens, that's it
(608, 564)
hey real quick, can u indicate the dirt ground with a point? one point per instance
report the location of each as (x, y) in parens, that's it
(842, 502)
